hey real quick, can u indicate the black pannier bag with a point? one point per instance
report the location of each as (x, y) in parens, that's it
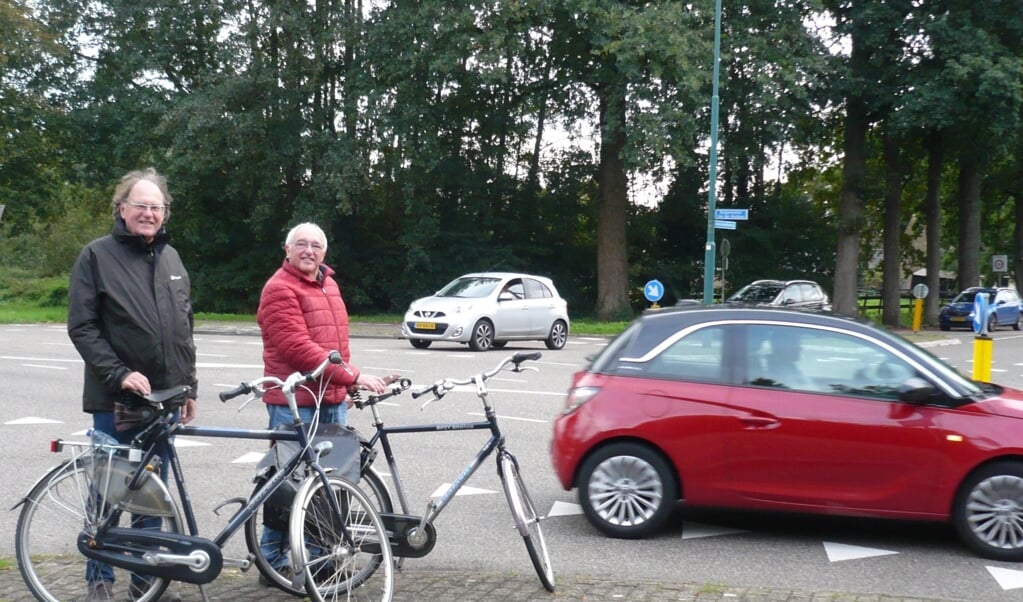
(343, 460)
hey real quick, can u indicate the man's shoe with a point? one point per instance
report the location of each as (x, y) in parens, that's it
(100, 591)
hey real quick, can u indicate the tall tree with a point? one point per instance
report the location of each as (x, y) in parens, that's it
(644, 65)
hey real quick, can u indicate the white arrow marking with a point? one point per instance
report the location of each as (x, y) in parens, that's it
(249, 458)
(564, 509)
(34, 420)
(1006, 578)
(840, 551)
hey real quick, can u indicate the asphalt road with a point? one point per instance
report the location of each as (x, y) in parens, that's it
(39, 401)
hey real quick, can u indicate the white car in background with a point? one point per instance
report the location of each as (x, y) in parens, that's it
(489, 309)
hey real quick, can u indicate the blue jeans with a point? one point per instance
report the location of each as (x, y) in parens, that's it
(96, 571)
(273, 543)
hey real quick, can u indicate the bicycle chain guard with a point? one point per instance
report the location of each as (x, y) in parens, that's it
(124, 548)
(403, 528)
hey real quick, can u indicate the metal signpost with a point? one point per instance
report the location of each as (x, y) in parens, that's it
(919, 294)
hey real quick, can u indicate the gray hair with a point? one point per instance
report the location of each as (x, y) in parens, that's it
(130, 179)
(306, 225)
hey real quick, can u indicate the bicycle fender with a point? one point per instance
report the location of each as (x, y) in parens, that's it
(50, 473)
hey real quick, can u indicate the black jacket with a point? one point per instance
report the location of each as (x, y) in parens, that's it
(130, 309)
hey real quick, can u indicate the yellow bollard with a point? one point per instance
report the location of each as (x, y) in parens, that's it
(918, 314)
(983, 345)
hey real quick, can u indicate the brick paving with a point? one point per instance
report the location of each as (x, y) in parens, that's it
(416, 585)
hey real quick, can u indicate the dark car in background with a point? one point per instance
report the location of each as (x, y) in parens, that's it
(767, 409)
(1003, 309)
(795, 294)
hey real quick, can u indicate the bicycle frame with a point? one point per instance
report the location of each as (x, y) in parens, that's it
(70, 518)
(412, 536)
(437, 505)
(305, 455)
(164, 429)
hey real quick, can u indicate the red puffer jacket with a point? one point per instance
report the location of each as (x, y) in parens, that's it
(302, 320)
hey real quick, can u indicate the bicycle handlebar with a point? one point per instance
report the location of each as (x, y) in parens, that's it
(441, 387)
(396, 387)
(258, 386)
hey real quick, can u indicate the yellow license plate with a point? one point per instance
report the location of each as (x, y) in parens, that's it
(426, 326)
(958, 319)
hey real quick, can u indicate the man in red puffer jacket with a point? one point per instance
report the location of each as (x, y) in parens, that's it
(303, 318)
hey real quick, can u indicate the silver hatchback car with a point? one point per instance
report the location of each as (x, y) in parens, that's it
(489, 309)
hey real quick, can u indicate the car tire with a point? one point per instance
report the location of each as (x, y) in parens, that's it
(988, 511)
(499, 344)
(558, 335)
(482, 336)
(1016, 325)
(420, 343)
(627, 490)
(945, 327)
(992, 323)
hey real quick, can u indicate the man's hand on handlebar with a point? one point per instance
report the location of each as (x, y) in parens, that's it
(371, 383)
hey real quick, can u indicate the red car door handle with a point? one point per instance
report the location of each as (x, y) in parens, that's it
(759, 422)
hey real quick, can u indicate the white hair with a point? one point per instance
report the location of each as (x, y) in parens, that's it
(303, 226)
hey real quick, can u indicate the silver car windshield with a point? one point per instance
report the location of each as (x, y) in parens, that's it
(757, 293)
(469, 288)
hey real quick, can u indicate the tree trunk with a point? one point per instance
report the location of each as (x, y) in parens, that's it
(932, 213)
(969, 222)
(850, 209)
(612, 208)
(1017, 231)
(891, 278)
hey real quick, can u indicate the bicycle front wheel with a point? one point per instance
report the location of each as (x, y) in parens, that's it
(259, 545)
(526, 519)
(337, 555)
(64, 503)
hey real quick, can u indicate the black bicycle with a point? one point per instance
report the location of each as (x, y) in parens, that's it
(414, 536)
(70, 521)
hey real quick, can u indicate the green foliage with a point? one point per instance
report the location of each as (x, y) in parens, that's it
(49, 248)
(21, 289)
(431, 138)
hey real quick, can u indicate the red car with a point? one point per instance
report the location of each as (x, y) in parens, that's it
(784, 410)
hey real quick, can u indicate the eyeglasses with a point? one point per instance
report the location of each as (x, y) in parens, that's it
(302, 245)
(143, 207)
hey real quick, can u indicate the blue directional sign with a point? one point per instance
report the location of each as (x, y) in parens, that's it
(653, 291)
(980, 313)
(735, 214)
(724, 224)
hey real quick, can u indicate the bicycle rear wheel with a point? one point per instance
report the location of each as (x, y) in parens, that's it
(371, 484)
(337, 555)
(526, 519)
(64, 503)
